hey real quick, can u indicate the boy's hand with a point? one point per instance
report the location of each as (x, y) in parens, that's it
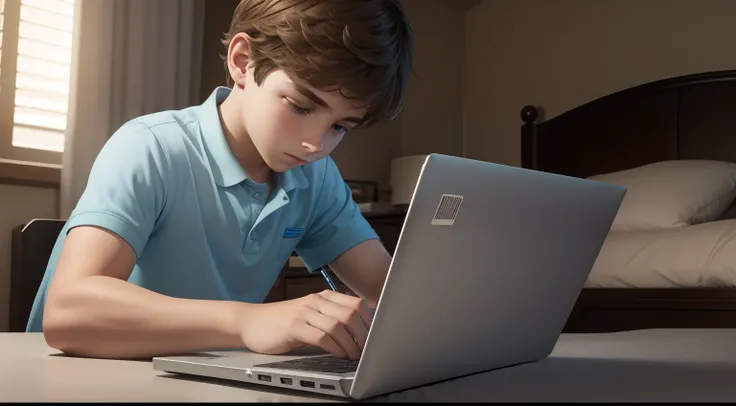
(328, 319)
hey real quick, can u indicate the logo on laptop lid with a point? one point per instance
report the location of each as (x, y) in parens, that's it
(447, 210)
(292, 232)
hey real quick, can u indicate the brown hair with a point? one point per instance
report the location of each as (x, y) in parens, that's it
(363, 48)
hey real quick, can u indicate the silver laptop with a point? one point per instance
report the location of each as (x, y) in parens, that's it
(489, 263)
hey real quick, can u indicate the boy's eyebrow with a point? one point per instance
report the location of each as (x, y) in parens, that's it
(310, 95)
(316, 99)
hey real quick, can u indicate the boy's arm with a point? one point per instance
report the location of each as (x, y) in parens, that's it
(92, 310)
(363, 269)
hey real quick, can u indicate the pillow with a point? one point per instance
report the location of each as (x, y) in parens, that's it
(670, 194)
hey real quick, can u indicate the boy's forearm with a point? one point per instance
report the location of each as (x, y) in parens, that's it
(104, 317)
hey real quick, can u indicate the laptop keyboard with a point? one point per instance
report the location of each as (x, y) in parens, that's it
(327, 363)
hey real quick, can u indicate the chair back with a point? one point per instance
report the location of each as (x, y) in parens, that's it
(32, 244)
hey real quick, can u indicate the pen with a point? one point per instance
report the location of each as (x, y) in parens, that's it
(329, 280)
(331, 283)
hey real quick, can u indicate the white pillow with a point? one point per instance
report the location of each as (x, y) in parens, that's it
(671, 194)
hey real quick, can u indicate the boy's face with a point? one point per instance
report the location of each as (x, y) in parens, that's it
(290, 123)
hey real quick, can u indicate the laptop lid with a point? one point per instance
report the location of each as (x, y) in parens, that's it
(489, 264)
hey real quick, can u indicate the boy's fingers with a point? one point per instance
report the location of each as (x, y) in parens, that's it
(351, 302)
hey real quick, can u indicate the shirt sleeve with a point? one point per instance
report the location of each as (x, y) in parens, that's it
(338, 224)
(125, 190)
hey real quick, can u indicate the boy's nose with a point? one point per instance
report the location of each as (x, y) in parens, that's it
(314, 145)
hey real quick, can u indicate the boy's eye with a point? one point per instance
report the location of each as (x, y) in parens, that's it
(340, 129)
(297, 109)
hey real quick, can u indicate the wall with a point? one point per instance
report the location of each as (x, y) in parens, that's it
(19, 204)
(432, 120)
(560, 54)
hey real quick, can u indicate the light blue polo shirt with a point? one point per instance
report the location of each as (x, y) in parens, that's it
(168, 184)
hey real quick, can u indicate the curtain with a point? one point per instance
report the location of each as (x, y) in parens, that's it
(131, 57)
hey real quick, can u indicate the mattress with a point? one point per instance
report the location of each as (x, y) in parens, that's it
(702, 255)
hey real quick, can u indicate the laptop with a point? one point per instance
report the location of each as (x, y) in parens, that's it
(489, 264)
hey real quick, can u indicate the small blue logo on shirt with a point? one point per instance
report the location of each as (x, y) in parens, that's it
(292, 232)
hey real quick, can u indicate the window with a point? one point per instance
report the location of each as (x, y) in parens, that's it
(35, 73)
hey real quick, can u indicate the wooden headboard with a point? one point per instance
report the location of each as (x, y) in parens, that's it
(687, 117)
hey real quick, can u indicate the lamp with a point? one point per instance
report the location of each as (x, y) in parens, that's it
(404, 176)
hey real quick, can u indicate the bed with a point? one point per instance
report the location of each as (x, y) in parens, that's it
(669, 261)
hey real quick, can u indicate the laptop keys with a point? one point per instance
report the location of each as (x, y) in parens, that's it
(328, 363)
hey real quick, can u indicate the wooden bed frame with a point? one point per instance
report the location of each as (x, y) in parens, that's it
(687, 117)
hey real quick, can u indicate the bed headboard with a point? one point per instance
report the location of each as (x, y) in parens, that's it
(687, 117)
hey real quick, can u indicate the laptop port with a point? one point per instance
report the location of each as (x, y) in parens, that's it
(286, 381)
(265, 378)
(307, 384)
(325, 386)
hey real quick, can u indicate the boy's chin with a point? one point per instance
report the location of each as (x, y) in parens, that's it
(281, 166)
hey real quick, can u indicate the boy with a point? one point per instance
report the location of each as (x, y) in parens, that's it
(180, 233)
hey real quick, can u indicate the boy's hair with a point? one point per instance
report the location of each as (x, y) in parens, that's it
(363, 48)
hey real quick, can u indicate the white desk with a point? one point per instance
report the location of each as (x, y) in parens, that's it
(647, 365)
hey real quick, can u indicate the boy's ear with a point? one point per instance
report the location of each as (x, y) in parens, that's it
(237, 58)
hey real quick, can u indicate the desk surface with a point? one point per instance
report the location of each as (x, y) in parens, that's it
(645, 365)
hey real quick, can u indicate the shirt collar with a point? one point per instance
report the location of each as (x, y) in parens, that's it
(225, 168)
(293, 179)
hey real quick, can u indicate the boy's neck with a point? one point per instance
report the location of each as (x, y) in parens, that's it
(240, 143)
